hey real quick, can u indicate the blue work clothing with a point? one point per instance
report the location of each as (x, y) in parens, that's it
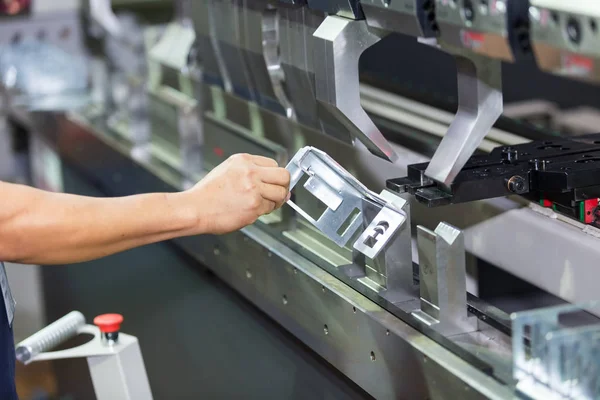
(8, 390)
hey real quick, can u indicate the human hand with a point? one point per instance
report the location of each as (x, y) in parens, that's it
(238, 191)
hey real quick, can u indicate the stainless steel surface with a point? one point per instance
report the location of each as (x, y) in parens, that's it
(339, 43)
(479, 107)
(442, 280)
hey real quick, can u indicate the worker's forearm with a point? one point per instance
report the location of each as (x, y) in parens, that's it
(38, 227)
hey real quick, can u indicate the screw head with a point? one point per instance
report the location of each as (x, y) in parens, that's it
(517, 184)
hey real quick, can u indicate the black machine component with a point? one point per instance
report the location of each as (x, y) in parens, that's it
(563, 174)
(344, 8)
(519, 35)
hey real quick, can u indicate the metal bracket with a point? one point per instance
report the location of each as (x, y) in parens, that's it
(442, 279)
(346, 200)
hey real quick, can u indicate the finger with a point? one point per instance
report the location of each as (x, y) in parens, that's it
(267, 207)
(280, 204)
(274, 176)
(263, 161)
(274, 193)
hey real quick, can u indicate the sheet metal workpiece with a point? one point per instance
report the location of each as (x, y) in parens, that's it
(345, 198)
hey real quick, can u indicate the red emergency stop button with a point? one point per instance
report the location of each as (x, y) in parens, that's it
(109, 323)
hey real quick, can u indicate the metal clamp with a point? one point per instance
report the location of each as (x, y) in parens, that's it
(346, 200)
(442, 280)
